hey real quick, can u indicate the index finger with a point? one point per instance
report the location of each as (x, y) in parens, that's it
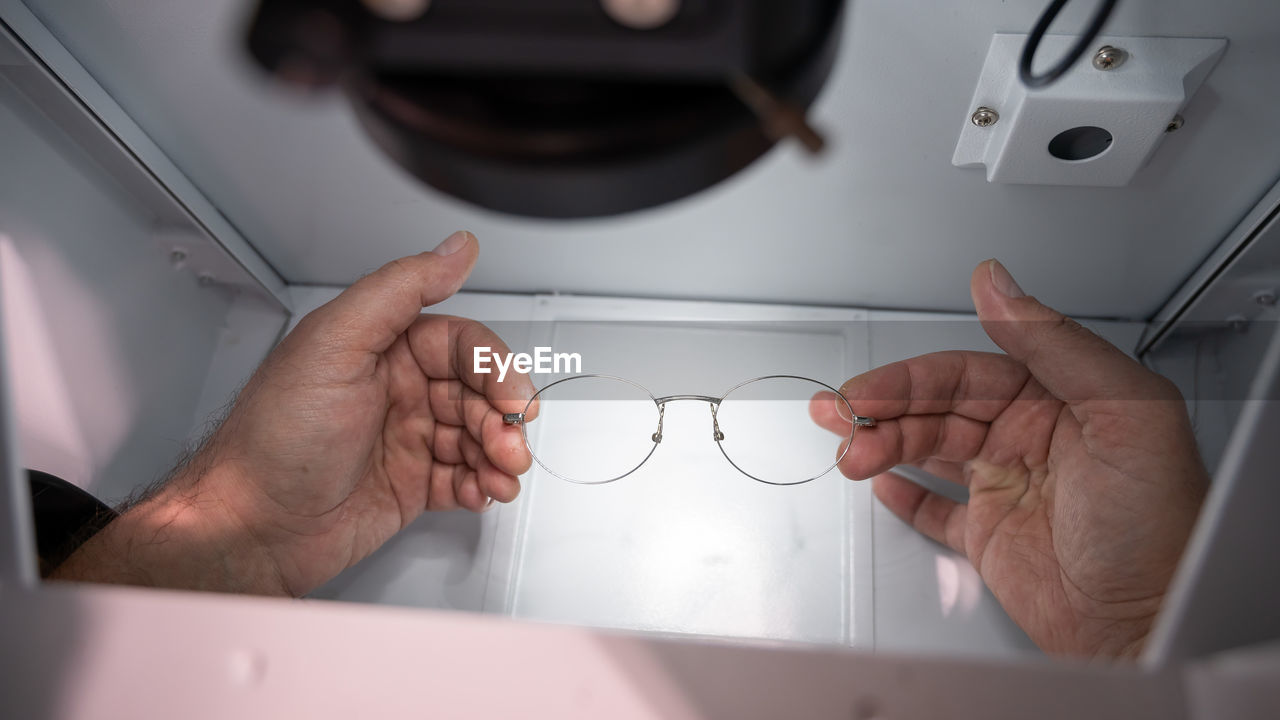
(974, 385)
(444, 347)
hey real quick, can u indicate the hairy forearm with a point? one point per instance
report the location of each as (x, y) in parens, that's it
(183, 537)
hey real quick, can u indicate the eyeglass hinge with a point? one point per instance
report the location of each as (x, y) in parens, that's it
(662, 411)
(513, 418)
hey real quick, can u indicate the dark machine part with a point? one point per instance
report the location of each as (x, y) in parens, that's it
(554, 108)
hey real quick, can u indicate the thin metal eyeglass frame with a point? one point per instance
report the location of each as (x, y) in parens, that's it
(717, 435)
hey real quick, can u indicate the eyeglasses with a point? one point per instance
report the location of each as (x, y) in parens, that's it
(606, 427)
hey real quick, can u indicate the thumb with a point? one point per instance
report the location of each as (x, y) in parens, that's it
(376, 309)
(1067, 358)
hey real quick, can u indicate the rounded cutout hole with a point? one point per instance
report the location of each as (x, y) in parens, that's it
(1080, 143)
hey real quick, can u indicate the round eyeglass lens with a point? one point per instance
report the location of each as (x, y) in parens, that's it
(593, 429)
(769, 433)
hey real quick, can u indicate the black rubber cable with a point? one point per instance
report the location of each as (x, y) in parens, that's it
(1082, 45)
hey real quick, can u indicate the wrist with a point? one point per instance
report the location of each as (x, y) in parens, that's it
(185, 536)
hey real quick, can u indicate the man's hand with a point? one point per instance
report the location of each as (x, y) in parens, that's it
(1083, 475)
(366, 415)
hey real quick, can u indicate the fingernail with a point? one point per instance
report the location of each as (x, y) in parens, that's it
(453, 243)
(842, 409)
(1003, 281)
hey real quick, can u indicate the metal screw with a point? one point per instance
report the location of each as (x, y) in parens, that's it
(1238, 322)
(641, 14)
(1109, 58)
(1174, 125)
(1266, 298)
(178, 258)
(205, 279)
(984, 117)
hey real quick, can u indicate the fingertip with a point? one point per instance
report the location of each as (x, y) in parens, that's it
(824, 413)
(851, 465)
(493, 481)
(500, 486)
(443, 270)
(470, 496)
(881, 392)
(841, 406)
(513, 395)
(517, 459)
(508, 491)
(460, 248)
(531, 410)
(505, 447)
(898, 494)
(872, 453)
(983, 290)
(454, 243)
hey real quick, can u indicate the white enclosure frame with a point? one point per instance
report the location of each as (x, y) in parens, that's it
(89, 651)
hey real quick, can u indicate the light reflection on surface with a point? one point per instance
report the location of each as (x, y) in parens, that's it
(959, 585)
(71, 436)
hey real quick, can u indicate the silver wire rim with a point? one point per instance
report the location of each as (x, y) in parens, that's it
(715, 403)
(524, 428)
(853, 427)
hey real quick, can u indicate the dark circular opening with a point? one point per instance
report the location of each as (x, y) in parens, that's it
(1080, 143)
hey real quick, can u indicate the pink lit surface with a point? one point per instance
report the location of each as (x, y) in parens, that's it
(69, 436)
(132, 653)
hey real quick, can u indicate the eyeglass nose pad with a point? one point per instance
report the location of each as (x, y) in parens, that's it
(715, 425)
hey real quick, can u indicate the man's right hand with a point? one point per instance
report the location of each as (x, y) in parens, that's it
(1083, 475)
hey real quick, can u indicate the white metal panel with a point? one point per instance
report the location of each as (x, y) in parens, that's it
(883, 221)
(109, 346)
(1227, 587)
(687, 543)
(64, 89)
(1135, 103)
(88, 651)
(17, 540)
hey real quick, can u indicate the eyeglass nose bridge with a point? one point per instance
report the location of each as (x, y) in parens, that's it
(715, 421)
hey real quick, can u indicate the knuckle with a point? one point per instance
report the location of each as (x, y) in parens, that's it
(1069, 330)
(1165, 389)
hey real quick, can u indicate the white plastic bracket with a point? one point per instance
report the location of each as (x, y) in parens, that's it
(1134, 102)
